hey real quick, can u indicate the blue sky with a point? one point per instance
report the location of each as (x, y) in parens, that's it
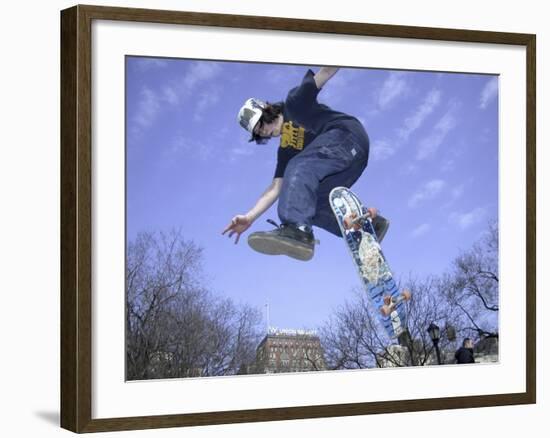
(433, 171)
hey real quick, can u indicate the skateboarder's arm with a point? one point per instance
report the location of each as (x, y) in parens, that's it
(266, 200)
(323, 75)
(240, 223)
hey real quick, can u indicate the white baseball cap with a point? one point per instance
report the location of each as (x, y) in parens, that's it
(250, 114)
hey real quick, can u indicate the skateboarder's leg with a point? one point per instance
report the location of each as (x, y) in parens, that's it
(324, 217)
(333, 153)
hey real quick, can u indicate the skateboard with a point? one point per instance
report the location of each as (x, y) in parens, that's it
(355, 223)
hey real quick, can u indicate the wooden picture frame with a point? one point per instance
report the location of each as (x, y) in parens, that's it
(76, 217)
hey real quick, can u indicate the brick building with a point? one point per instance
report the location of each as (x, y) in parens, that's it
(286, 351)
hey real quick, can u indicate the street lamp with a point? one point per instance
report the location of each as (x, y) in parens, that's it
(434, 333)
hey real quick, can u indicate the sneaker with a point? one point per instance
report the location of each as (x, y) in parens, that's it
(286, 239)
(381, 225)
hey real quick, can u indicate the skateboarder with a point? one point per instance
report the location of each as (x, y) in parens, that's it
(319, 149)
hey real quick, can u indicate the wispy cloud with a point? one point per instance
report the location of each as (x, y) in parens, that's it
(147, 108)
(241, 151)
(279, 76)
(243, 148)
(409, 169)
(152, 101)
(385, 148)
(145, 112)
(146, 64)
(182, 146)
(392, 89)
(430, 144)
(447, 165)
(466, 220)
(489, 92)
(420, 230)
(339, 87)
(169, 95)
(206, 100)
(428, 191)
(415, 120)
(454, 194)
(205, 151)
(382, 149)
(457, 192)
(198, 72)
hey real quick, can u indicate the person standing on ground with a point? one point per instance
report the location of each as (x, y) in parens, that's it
(465, 354)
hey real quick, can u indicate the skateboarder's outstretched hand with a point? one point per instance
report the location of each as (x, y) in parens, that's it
(239, 224)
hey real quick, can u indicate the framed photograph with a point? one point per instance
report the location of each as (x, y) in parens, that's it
(412, 149)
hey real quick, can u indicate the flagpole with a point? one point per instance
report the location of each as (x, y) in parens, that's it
(267, 316)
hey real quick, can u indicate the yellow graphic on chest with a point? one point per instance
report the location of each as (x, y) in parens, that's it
(292, 136)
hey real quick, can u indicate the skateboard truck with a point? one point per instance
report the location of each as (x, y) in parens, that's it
(361, 219)
(390, 303)
(355, 222)
(379, 223)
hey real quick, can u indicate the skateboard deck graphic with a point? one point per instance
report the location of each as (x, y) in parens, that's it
(374, 271)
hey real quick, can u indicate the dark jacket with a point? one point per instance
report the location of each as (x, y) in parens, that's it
(464, 355)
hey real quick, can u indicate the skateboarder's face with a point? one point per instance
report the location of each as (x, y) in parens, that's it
(272, 129)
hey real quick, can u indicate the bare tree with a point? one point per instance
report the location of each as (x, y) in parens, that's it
(354, 338)
(175, 326)
(463, 301)
(428, 306)
(350, 337)
(472, 287)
